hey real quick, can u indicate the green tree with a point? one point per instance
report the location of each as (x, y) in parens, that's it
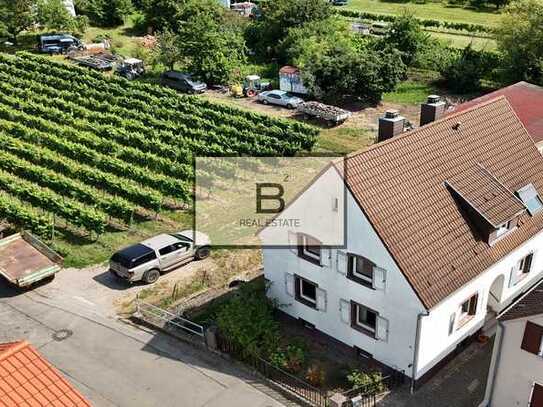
(105, 13)
(167, 51)
(336, 64)
(16, 16)
(161, 15)
(210, 40)
(520, 40)
(464, 70)
(279, 16)
(53, 15)
(406, 35)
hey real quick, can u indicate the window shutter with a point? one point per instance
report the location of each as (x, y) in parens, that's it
(382, 329)
(293, 242)
(513, 277)
(289, 284)
(531, 342)
(321, 299)
(537, 396)
(528, 263)
(345, 311)
(473, 305)
(325, 256)
(452, 320)
(341, 262)
(379, 278)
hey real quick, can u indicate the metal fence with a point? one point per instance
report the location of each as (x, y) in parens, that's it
(292, 384)
(369, 395)
(168, 320)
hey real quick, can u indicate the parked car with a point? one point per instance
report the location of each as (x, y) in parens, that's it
(58, 44)
(147, 260)
(182, 81)
(339, 2)
(280, 98)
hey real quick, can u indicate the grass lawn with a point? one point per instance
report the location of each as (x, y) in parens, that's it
(462, 41)
(431, 10)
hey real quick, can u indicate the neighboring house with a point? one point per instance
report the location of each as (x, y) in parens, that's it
(516, 370)
(69, 4)
(443, 230)
(527, 102)
(27, 379)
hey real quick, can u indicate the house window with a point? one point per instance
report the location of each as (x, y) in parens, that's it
(503, 229)
(306, 292)
(521, 269)
(468, 309)
(364, 319)
(309, 248)
(529, 196)
(360, 270)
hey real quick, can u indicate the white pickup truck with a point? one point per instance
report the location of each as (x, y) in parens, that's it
(145, 261)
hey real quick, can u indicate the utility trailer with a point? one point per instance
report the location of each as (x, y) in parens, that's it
(25, 260)
(102, 61)
(331, 114)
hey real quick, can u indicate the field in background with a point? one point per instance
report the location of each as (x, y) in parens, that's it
(438, 10)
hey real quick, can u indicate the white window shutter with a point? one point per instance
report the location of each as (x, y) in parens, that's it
(452, 320)
(325, 256)
(345, 311)
(289, 284)
(382, 329)
(293, 242)
(341, 262)
(321, 299)
(379, 278)
(513, 277)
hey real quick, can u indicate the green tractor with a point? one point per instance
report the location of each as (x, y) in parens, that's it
(253, 85)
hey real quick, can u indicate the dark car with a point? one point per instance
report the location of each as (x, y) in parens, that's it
(58, 44)
(182, 81)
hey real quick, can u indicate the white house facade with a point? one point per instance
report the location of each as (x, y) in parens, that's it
(411, 283)
(516, 371)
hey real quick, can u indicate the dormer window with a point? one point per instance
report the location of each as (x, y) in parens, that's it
(529, 196)
(503, 229)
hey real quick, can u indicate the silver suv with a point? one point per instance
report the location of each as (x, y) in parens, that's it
(145, 261)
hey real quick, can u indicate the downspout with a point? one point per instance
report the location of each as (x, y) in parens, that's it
(416, 351)
(500, 333)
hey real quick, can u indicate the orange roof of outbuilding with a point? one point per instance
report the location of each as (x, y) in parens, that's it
(28, 380)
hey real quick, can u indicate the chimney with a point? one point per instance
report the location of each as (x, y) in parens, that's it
(390, 125)
(432, 110)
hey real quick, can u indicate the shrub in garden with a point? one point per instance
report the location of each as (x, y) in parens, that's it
(291, 359)
(248, 321)
(316, 375)
(370, 382)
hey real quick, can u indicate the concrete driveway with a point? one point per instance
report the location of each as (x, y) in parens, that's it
(116, 364)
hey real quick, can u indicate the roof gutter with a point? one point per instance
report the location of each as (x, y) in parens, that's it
(414, 365)
(494, 364)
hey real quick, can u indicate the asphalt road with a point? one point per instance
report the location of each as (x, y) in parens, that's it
(116, 364)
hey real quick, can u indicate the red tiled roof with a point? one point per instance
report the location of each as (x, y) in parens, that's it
(528, 305)
(28, 380)
(400, 184)
(527, 102)
(289, 70)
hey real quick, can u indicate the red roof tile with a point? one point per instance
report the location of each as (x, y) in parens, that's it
(400, 184)
(525, 99)
(27, 379)
(530, 304)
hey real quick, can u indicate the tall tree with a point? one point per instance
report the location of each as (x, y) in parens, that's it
(520, 39)
(279, 16)
(16, 16)
(406, 35)
(105, 13)
(167, 51)
(53, 15)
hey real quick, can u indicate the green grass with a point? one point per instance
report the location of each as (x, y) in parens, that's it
(462, 41)
(124, 39)
(79, 252)
(431, 9)
(343, 140)
(411, 92)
